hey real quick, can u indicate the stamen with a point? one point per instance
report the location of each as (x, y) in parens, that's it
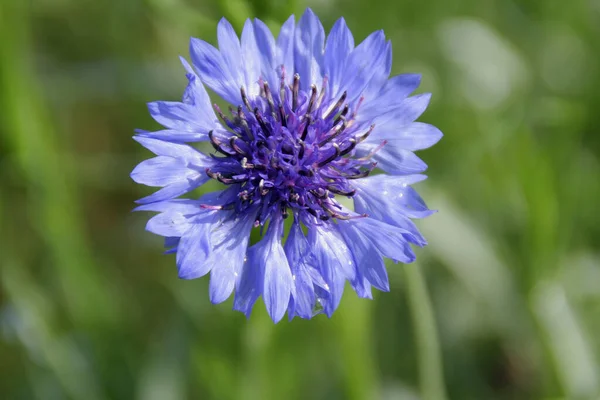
(244, 123)
(217, 144)
(313, 96)
(235, 147)
(332, 157)
(320, 193)
(270, 99)
(261, 187)
(261, 122)
(226, 120)
(363, 174)
(305, 131)
(342, 114)
(284, 211)
(335, 131)
(302, 149)
(295, 88)
(375, 150)
(245, 98)
(349, 193)
(335, 106)
(350, 147)
(220, 178)
(366, 135)
(322, 94)
(282, 115)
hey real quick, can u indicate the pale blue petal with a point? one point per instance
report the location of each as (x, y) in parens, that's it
(278, 276)
(213, 71)
(251, 60)
(416, 136)
(193, 250)
(393, 91)
(285, 48)
(230, 242)
(308, 50)
(162, 171)
(393, 159)
(340, 44)
(299, 255)
(231, 52)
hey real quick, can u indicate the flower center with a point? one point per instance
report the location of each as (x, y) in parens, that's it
(295, 151)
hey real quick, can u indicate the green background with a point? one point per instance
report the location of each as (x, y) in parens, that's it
(504, 303)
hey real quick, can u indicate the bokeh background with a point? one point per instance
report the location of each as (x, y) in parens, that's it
(504, 303)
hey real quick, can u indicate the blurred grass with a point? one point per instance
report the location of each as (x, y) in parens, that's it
(90, 309)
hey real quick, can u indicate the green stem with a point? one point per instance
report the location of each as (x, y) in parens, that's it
(431, 375)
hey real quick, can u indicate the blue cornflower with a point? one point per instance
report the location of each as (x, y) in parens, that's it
(311, 119)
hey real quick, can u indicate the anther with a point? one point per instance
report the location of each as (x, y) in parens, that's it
(366, 135)
(269, 97)
(335, 106)
(217, 144)
(350, 147)
(261, 188)
(284, 211)
(320, 193)
(222, 179)
(227, 121)
(342, 114)
(245, 99)
(322, 93)
(235, 147)
(246, 127)
(360, 175)
(282, 115)
(335, 132)
(332, 157)
(348, 193)
(244, 195)
(305, 131)
(261, 121)
(302, 149)
(295, 88)
(313, 97)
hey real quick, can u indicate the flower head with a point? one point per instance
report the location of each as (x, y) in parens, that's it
(311, 119)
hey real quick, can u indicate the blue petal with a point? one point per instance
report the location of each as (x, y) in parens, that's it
(340, 44)
(416, 136)
(182, 117)
(389, 240)
(393, 159)
(230, 241)
(285, 48)
(174, 190)
(299, 255)
(250, 283)
(229, 46)
(267, 54)
(396, 114)
(393, 91)
(389, 198)
(335, 263)
(308, 50)
(184, 206)
(367, 59)
(251, 59)
(214, 72)
(175, 150)
(168, 224)
(162, 171)
(369, 261)
(194, 249)
(268, 256)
